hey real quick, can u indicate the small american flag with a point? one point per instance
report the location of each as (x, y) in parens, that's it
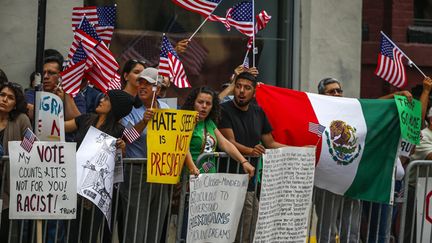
(390, 66)
(103, 65)
(130, 133)
(240, 16)
(318, 129)
(246, 62)
(75, 54)
(207, 166)
(262, 20)
(171, 66)
(72, 77)
(103, 18)
(28, 140)
(203, 7)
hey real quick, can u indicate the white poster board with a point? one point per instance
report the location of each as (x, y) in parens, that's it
(286, 194)
(49, 117)
(424, 209)
(43, 182)
(215, 205)
(95, 169)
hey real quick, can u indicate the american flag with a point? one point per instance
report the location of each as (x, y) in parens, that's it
(89, 29)
(28, 140)
(103, 18)
(390, 66)
(207, 166)
(203, 7)
(246, 62)
(171, 66)
(262, 20)
(130, 133)
(101, 62)
(318, 129)
(240, 16)
(72, 77)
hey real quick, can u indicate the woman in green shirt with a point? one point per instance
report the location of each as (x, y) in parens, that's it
(206, 136)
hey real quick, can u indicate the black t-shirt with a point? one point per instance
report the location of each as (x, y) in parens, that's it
(248, 127)
(84, 122)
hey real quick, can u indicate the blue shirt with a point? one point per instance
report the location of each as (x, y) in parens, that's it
(138, 149)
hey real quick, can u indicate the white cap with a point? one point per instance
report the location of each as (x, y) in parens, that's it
(151, 75)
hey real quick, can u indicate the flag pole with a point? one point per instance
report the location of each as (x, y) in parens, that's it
(201, 25)
(253, 37)
(410, 62)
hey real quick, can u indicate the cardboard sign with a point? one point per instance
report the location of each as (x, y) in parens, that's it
(43, 181)
(168, 137)
(95, 169)
(49, 117)
(286, 194)
(410, 118)
(215, 205)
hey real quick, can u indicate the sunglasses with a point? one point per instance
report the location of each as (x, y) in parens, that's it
(12, 84)
(135, 61)
(335, 91)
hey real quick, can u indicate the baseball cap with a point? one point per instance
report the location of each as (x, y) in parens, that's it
(151, 75)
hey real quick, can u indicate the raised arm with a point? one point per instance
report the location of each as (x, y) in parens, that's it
(230, 149)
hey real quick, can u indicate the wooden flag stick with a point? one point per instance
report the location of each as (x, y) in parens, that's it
(39, 231)
(201, 25)
(253, 37)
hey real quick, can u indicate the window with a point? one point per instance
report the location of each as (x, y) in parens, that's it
(214, 52)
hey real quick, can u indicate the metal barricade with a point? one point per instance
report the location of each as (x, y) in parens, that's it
(416, 220)
(148, 212)
(141, 212)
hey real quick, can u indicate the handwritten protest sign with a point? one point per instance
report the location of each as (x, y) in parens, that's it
(215, 205)
(286, 194)
(410, 118)
(168, 137)
(43, 181)
(405, 148)
(95, 169)
(49, 117)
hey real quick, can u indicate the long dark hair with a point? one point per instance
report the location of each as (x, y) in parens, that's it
(127, 68)
(190, 102)
(21, 104)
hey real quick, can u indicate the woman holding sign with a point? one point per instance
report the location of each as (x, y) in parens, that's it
(114, 106)
(206, 136)
(13, 123)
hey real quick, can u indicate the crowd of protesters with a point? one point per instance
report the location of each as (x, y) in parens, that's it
(229, 121)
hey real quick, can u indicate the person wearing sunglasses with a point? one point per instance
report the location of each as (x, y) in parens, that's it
(129, 76)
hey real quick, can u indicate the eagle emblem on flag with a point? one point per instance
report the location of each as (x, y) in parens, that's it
(342, 142)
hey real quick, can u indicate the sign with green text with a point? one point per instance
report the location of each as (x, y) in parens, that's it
(410, 118)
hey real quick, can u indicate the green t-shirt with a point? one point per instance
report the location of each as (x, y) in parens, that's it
(204, 141)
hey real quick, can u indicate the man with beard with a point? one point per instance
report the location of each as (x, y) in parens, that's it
(246, 126)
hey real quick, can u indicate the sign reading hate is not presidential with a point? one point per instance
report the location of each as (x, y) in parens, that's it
(168, 137)
(43, 181)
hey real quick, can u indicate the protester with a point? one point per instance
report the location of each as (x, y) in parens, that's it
(206, 137)
(131, 69)
(246, 126)
(228, 88)
(13, 123)
(144, 200)
(113, 107)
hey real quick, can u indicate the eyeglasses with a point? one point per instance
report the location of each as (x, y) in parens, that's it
(49, 73)
(334, 91)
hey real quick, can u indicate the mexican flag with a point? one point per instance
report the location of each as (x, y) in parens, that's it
(358, 148)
